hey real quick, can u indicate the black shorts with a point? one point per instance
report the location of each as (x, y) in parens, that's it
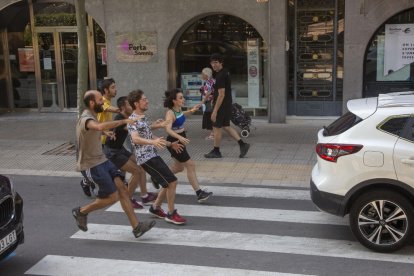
(158, 170)
(207, 123)
(223, 117)
(117, 156)
(103, 175)
(183, 156)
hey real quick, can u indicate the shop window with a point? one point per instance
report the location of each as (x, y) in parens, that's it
(100, 53)
(231, 37)
(21, 79)
(3, 77)
(389, 58)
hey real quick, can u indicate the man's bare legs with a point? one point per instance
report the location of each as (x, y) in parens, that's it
(217, 137)
(232, 132)
(172, 187)
(100, 203)
(135, 171)
(168, 193)
(126, 202)
(215, 153)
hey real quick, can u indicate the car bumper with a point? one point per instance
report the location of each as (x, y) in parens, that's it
(327, 202)
(15, 224)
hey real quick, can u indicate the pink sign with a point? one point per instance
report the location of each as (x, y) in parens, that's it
(26, 60)
(104, 55)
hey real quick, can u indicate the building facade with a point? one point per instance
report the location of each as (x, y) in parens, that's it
(286, 57)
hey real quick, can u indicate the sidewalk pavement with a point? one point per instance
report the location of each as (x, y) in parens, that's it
(33, 143)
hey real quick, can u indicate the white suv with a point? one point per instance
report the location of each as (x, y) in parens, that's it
(366, 169)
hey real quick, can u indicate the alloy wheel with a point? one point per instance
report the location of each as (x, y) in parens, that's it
(383, 222)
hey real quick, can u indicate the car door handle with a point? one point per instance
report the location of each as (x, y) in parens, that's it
(407, 161)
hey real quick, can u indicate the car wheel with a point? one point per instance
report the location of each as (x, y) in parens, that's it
(382, 220)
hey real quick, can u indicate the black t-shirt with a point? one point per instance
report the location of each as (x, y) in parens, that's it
(223, 81)
(120, 133)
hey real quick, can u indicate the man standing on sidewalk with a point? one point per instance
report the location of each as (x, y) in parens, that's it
(94, 166)
(221, 114)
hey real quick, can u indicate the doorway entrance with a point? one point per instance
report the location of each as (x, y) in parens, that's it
(38, 56)
(57, 56)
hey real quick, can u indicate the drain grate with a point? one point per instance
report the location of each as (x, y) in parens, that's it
(66, 149)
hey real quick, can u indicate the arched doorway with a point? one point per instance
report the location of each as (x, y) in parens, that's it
(389, 57)
(244, 51)
(39, 44)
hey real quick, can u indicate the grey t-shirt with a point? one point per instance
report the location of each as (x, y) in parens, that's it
(143, 153)
(89, 145)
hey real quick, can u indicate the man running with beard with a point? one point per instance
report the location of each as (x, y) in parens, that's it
(94, 166)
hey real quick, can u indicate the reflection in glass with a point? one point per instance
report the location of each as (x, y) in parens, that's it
(375, 81)
(48, 70)
(69, 52)
(228, 36)
(3, 78)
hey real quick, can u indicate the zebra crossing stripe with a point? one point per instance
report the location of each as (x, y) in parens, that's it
(249, 192)
(311, 217)
(82, 266)
(243, 241)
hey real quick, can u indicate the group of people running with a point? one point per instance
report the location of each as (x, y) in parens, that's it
(104, 164)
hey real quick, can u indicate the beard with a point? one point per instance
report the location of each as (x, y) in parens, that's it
(98, 108)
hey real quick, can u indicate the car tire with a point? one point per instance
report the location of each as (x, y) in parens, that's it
(382, 220)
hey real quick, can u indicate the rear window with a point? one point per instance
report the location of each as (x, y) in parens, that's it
(342, 124)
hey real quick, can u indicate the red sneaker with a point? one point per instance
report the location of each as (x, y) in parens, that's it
(135, 204)
(159, 213)
(175, 218)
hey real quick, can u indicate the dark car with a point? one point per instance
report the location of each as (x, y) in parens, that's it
(11, 218)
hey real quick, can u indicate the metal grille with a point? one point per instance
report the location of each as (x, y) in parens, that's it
(6, 210)
(62, 150)
(315, 50)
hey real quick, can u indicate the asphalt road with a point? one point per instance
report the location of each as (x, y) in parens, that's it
(276, 232)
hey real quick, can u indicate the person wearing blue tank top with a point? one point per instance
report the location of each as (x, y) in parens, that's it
(174, 101)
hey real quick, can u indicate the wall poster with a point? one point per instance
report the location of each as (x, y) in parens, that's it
(398, 49)
(26, 59)
(136, 47)
(253, 72)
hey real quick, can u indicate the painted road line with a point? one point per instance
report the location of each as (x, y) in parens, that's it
(248, 192)
(242, 241)
(81, 266)
(312, 217)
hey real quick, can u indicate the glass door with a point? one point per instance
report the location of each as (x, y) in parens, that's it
(58, 60)
(4, 97)
(49, 72)
(69, 56)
